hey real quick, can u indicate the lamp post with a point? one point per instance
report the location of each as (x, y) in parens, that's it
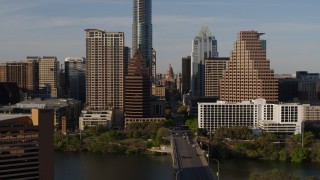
(218, 173)
(302, 133)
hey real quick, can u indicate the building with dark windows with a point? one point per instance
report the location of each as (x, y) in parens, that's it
(308, 87)
(186, 74)
(26, 148)
(75, 78)
(288, 89)
(137, 91)
(126, 59)
(9, 93)
(139, 106)
(142, 31)
(204, 46)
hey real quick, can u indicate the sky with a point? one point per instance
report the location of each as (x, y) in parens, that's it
(56, 28)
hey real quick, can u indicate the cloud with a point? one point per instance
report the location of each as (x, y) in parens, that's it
(189, 20)
(16, 6)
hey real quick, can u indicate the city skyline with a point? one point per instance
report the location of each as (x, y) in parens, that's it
(41, 28)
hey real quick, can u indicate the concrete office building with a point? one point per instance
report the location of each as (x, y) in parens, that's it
(142, 30)
(186, 74)
(26, 148)
(204, 46)
(48, 76)
(90, 118)
(75, 78)
(105, 65)
(69, 108)
(257, 114)
(248, 74)
(214, 68)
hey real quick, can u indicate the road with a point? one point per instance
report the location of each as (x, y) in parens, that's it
(193, 164)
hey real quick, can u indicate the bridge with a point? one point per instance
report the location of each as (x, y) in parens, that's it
(188, 159)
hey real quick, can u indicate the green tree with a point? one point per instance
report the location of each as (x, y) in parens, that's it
(299, 154)
(275, 174)
(192, 124)
(308, 139)
(162, 134)
(283, 155)
(315, 153)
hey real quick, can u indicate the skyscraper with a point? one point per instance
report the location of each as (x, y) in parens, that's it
(142, 30)
(105, 64)
(24, 73)
(248, 75)
(186, 74)
(204, 46)
(48, 76)
(137, 91)
(75, 77)
(214, 68)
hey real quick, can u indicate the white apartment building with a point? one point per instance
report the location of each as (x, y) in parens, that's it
(94, 118)
(256, 114)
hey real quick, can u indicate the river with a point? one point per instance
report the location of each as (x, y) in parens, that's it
(88, 166)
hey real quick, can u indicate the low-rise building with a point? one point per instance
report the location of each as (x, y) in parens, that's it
(89, 118)
(70, 108)
(129, 120)
(256, 114)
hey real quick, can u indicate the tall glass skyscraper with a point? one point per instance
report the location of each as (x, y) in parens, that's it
(142, 30)
(75, 78)
(204, 46)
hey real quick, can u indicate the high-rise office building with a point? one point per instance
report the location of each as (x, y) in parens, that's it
(248, 75)
(75, 78)
(142, 30)
(214, 68)
(24, 73)
(204, 46)
(126, 59)
(26, 148)
(48, 76)
(137, 91)
(9, 93)
(105, 69)
(186, 74)
(308, 87)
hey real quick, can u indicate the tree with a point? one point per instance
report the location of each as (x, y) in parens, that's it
(299, 154)
(162, 134)
(275, 174)
(308, 139)
(192, 124)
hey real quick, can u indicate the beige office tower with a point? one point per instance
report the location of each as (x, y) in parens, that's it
(48, 76)
(105, 69)
(214, 68)
(248, 75)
